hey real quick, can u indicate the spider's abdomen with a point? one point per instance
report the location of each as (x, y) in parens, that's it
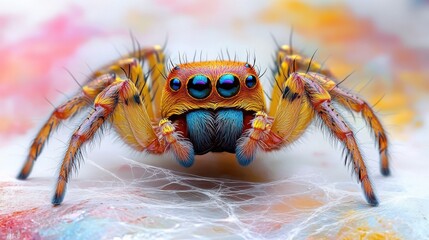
(215, 131)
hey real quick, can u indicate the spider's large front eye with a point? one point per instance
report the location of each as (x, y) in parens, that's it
(199, 86)
(175, 84)
(228, 85)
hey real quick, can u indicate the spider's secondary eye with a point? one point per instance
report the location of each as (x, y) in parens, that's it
(228, 85)
(199, 87)
(175, 84)
(251, 81)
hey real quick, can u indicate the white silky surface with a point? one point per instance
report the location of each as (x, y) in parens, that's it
(132, 200)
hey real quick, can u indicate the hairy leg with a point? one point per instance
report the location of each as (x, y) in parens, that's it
(350, 101)
(121, 92)
(358, 105)
(321, 102)
(149, 85)
(121, 104)
(288, 61)
(133, 124)
(156, 62)
(132, 68)
(267, 133)
(288, 125)
(61, 113)
(126, 68)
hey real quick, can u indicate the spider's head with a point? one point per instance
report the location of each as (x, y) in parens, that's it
(212, 85)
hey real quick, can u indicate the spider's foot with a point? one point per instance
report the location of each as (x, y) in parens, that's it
(57, 200)
(22, 176)
(368, 191)
(372, 200)
(26, 170)
(60, 192)
(385, 171)
(369, 194)
(384, 163)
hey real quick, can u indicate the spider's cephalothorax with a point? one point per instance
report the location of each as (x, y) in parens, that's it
(211, 106)
(212, 103)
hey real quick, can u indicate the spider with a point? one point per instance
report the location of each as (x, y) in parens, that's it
(209, 106)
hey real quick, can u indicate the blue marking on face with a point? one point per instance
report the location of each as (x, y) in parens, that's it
(200, 130)
(199, 86)
(229, 127)
(228, 85)
(214, 131)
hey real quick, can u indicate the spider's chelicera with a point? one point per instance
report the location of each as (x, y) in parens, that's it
(210, 106)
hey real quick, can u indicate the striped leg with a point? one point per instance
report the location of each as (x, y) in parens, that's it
(131, 67)
(294, 115)
(120, 93)
(356, 104)
(321, 101)
(340, 130)
(287, 61)
(156, 61)
(61, 113)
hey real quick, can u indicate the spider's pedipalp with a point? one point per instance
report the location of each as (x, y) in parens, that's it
(253, 139)
(173, 140)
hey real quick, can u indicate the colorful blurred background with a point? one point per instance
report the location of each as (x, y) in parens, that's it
(303, 192)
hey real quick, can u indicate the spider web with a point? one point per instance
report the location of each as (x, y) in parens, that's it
(158, 203)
